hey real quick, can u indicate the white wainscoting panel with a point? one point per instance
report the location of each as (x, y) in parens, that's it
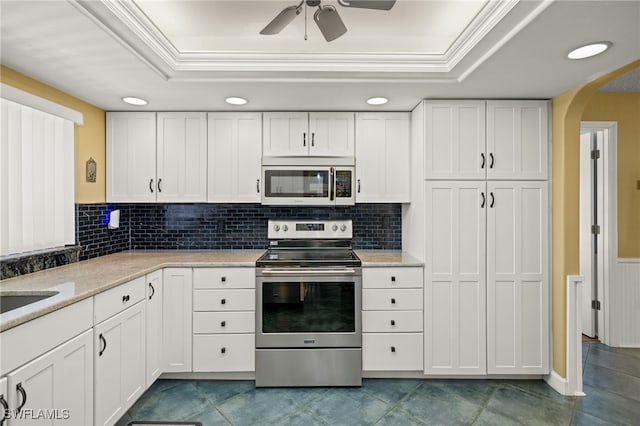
(624, 306)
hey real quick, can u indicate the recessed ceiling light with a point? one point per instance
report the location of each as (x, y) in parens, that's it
(134, 101)
(589, 50)
(234, 100)
(377, 101)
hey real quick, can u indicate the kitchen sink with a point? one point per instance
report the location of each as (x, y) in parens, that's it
(15, 300)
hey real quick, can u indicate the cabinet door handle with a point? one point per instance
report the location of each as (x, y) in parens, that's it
(304, 139)
(23, 394)
(313, 137)
(151, 185)
(223, 279)
(258, 186)
(484, 160)
(104, 344)
(223, 324)
(393, 301)
(393, 279)
(153, 291)
(223, 350)
(223, 301)
(484, 200)
(159, 187)
(393, 349)
(492, 200)
(393, 322)
(491, 158)
(5, 410)
(358, 186)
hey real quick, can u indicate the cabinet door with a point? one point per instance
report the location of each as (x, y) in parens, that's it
(517, 139)
(154, 327)
(131, 156)
(382, 157)
(176, 319)
(4, 400)
(455, 140)
(119, 363)
(182, 157)
(517, 278)
(60, 380)
(332, 134)
(235, 157)
(285, 134)
(454, 297)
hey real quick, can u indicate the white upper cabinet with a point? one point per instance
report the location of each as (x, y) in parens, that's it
(234, 157)
(131, 156)
(382, 157)
(517, 139)
(163, 159)
(302, 134)
(181, 157)
(455, 140)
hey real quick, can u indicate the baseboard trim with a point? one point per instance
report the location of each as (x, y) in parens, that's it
(560, 385)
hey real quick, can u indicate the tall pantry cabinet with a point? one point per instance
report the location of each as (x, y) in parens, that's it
(486, 237)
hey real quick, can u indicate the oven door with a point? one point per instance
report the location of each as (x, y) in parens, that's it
(308, 308)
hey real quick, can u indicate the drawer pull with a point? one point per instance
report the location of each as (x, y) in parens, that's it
(393, 349)
(223, 301)
(223, 350)
(393, 279)
(393, 322)
(223, 324)
(393, 301)
(223, 279)
(125, 298)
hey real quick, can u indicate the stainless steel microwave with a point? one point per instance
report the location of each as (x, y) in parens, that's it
(308, 185)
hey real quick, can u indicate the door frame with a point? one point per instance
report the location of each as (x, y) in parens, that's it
(610, 219)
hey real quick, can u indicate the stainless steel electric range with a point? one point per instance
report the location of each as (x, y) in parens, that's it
(308, 306)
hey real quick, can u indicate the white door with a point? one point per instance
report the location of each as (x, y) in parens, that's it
(382, 158)
(285, 134)
(60, 381)
(332, 134)
(517, 278)
(131, 157)
(235, 156)
(454, 298)
(182, 157)
(154, 327)
(517, 139)
(455, 140)
(177, 316)
(119, 354)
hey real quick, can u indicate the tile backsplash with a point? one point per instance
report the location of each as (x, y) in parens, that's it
(221, 226)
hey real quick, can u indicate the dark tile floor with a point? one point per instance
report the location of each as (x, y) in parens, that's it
(611, 382)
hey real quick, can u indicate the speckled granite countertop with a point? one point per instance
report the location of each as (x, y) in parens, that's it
(81, 280)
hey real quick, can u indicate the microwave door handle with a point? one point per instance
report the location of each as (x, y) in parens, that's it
(332, 184)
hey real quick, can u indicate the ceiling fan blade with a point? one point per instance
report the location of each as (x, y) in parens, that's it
(283, 19)
(368, 4)
(329, 22)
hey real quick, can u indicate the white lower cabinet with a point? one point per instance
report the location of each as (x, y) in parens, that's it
(392, 327)
(119, 354)
(224, 320)
(176, 319)
(55, 388)
(155, 361)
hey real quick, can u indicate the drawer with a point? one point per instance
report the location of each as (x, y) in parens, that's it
(220, 278)
(224, 300)
(224, 352)
(391, 321)
(403, 277)
(400, 299)
(224, 322)
(110, 302)
(392, 352)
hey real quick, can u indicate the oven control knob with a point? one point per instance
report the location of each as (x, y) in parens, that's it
(276, 228)
(343, 227)
(334, 228)
(285, 228)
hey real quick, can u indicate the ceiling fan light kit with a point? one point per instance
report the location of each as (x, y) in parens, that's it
(326, 17)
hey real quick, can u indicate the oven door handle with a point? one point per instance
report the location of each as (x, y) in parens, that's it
(283, 271)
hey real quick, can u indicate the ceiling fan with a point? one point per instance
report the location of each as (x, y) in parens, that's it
(326, 17)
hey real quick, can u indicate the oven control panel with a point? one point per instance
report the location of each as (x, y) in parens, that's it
(306, 229)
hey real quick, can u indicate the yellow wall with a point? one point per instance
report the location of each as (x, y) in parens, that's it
(568, 111)
(625, 109)
(90, 137)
